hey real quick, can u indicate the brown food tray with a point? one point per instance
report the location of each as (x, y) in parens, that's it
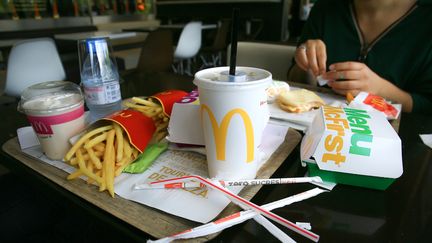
(152, 221)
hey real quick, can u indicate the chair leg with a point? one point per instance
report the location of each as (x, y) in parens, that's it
(188, 68)
(181, 68)
(205, 63)
(217, 59)
(177, 67)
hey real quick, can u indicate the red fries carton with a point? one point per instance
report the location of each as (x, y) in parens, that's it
(369, 101)
(168, 98)
(139, 128)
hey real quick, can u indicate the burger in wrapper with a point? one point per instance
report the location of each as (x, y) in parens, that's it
(275, 88)
(298, 101)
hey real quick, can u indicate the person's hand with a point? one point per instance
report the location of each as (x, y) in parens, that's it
(312, 55)
(354, 77)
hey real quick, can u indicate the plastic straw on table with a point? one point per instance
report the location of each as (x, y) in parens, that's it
(247, 205)
(237, 218)
(234, 33)
(275, 231)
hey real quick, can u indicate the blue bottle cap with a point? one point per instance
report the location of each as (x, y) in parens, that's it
(96, 43)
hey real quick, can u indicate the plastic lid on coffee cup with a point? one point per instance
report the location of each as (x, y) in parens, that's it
(49, 97)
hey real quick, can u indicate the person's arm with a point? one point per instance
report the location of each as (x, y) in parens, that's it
(396, 95)
(358, 77)
(313, 29)
(383, 88)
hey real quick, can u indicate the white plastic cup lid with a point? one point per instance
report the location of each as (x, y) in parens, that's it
(218, 77)
(52, 96)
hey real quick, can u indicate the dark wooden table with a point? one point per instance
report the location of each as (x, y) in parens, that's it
(402, 213)
(149, 220)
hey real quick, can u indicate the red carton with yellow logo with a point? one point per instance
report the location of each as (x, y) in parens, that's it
(368, 101)
(167, 99)
(352, 146)
(139, 128)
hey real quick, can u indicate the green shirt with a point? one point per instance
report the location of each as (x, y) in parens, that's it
(402, 55)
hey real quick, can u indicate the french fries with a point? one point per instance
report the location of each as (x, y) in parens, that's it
(349, 97)
(151, 108)
(101, 154)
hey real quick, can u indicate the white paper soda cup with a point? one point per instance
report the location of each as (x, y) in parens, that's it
(56, 112)
(233, 117)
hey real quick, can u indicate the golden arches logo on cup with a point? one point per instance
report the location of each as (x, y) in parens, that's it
(233, 116)
(220, 131)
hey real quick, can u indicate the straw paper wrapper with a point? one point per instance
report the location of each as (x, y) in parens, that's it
(243, 203)
(225, 183)
(275, 231)
(240, 217)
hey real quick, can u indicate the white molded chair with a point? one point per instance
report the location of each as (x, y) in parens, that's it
(275, 58)
(32, 61)
(188, 46)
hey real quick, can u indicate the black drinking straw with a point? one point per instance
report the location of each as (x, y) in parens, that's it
(234, 32)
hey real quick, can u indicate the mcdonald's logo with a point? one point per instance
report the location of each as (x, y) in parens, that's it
(220, 132)
(124, 115)
(378, 102)
(41, 128)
